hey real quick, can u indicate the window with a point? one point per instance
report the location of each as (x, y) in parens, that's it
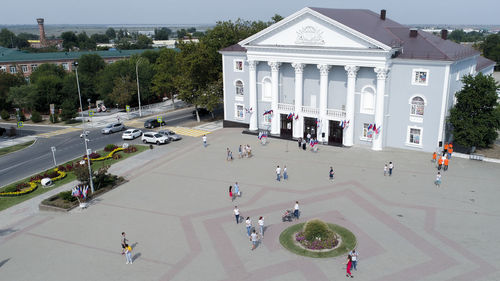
(24, 68)
(65, 66)
(367, 104)
(240, 111)
(267, 89)
(367, 134)
(34, 67)
(13, 69)
(420, 77)
(238, 65)
(3, 68)
(417, 106)
(414, 137)
(239, 87)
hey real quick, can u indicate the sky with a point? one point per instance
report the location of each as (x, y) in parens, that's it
(210, 11)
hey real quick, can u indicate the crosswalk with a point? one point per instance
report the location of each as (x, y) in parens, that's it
(58, 132)
(188, 131)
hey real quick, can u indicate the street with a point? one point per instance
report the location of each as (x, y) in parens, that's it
(38, 157)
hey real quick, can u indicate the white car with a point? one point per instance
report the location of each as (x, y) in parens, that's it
(114, 127)
(153, 137)
(131, 134)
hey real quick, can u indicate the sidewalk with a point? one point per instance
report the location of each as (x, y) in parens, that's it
(15, 141)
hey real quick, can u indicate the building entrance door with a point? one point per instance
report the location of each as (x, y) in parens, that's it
(286, 128)
(310, 127)
(335, 133)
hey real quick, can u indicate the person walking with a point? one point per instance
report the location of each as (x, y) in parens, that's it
(240, 152)
(278, 173)
(128, 254)
(299, 141)
(236, 212)
(391, 166)
(445, 150)
(354, 259)
(386, 169)
(124, 241)
(236, 190)
(248, 225)
(332, 173)
(296, 211)
(434, 157)
(446, 162)
(440, 163)
(231, 193)
(261, 226)
(438, 180)
(450, 150)
(204, 138)
(254, 238)
(348, 266)
(285, 173)
(304, 144)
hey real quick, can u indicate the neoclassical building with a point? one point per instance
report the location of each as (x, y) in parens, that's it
(347, 77)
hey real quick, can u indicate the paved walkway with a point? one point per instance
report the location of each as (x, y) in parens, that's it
(178, 217)
(16, 141)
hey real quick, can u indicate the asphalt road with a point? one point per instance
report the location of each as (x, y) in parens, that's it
(28, 130)
(38, 157)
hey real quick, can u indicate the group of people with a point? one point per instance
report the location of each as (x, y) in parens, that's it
(352, 261)
(252, 234)
(443, 161)
(278, 173)
(243, 151)
(313, 143)
(388, 169)
(233, 193)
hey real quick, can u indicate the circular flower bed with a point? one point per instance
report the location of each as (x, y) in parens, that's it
(324, 240)
(29, 187)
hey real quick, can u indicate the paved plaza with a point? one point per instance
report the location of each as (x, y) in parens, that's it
(179, 219)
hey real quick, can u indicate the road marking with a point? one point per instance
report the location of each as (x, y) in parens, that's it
(58, 132)
(188, 131)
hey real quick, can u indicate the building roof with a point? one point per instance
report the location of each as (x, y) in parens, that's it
(424, 46)
(234, 48)
(14, 55)
(483, 63)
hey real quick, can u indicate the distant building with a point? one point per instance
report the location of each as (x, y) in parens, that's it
(14, 61)
(43, 42)
(348, 78)
(171, 43)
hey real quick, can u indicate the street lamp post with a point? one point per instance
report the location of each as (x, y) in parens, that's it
(138, 90)
(84, 135)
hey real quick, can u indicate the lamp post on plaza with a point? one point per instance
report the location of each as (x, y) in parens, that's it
(137, 78)
(84, 134)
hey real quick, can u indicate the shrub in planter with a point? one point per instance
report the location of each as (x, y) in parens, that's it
(36, 117)
(110, 147)
(316, 229)
(66, 196)
(5, 115)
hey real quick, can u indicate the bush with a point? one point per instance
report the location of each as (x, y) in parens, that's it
(110, 147)
(66, 196)
(130, 149)
(5, 115)
(71, 121)
(316, 228)
(21, 115)
(36, 117)
(54, 118)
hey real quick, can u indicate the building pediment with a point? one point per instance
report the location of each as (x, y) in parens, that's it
(308, 28)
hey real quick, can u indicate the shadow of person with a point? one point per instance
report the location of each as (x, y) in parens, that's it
(7, 231)
(134, 244)
(4, 262)
(136, 256)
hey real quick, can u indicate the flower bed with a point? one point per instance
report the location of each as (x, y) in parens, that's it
(99, 158)
(317, 244)
(33, 184)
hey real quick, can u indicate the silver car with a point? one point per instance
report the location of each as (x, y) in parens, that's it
(131, 134)
(153, 137)
(114, 127)
(170, 134)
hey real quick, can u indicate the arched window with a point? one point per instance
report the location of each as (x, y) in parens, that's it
(267, 89)
(417, 106)
(239, 87)
(367, 104)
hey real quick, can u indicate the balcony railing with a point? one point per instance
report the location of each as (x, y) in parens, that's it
(310, 110)
(336, 113)
(286, 107)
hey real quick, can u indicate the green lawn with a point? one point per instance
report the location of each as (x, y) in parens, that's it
(14, 148)
(348, 243)
(6, 202)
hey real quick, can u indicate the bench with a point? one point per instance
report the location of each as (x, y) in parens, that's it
(478, 157)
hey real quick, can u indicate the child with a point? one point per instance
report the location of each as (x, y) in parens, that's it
(128, 253)
(285, 174)
(331, 173)
(438, 179)
(434, 156)
(385, 170)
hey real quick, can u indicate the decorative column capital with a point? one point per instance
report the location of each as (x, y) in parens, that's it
(299, 67)
(275, 66)
(381, 73)
(252, 65)
(324, 68)
(352, 70)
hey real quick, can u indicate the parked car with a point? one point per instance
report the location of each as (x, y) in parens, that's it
(170, 134)
(114, 127)
(131, 134)
(153, 137)
(3, 131)
(153, 123)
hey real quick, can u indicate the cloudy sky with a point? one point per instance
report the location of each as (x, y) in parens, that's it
(210, 11)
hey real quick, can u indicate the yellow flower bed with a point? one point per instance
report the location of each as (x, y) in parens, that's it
(33, 185)
(110, 155)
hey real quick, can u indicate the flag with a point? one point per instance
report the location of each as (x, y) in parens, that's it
(290, 116)
(317, 121)
(268, 112)
(378, 130)
(370, 127)
(296, 117)
(375, 127)
(342, 124)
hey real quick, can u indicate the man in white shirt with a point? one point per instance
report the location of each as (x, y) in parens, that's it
(254, 238)
(248, 224)
(296, 212)
(278, 173)
(354, 259)
(236, 212)
(204, 138)
(261, 226)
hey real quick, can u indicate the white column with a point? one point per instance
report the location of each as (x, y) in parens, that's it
(275, 123)
(323, 100)
(379, 107)
(298, 125)
(252, 66)
(349, 104)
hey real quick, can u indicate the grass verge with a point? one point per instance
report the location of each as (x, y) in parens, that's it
(14, 148)
(7, 202)
(287, 240)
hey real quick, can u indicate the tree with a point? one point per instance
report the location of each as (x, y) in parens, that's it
(69, 40)
(69, 110)
(491, 48)
(84, 42)
(475, 117)
(181, 33)
(123, 91)
(9, 40)
(90, 64)
(143, 42)
(276, 18)
(23, 96)
(7, 81)
(111, 33)
(99, 38)
(162, 33)
(166, 71)
(212, 96)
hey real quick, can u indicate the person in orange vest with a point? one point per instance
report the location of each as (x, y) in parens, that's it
(434, 156)
(446, 164)
(450, 151)
(440, 162)
(445, 149)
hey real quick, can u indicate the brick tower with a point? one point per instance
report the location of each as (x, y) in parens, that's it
(41, 28)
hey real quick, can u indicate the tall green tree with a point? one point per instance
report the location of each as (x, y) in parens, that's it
(123, 91)
(7, 81)
(89, 65)
(491, 48)
(166, 71)
(476, 117)
(162, 33)
(69, 40)
(9, 40)
(23, 96)
(111, 33)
